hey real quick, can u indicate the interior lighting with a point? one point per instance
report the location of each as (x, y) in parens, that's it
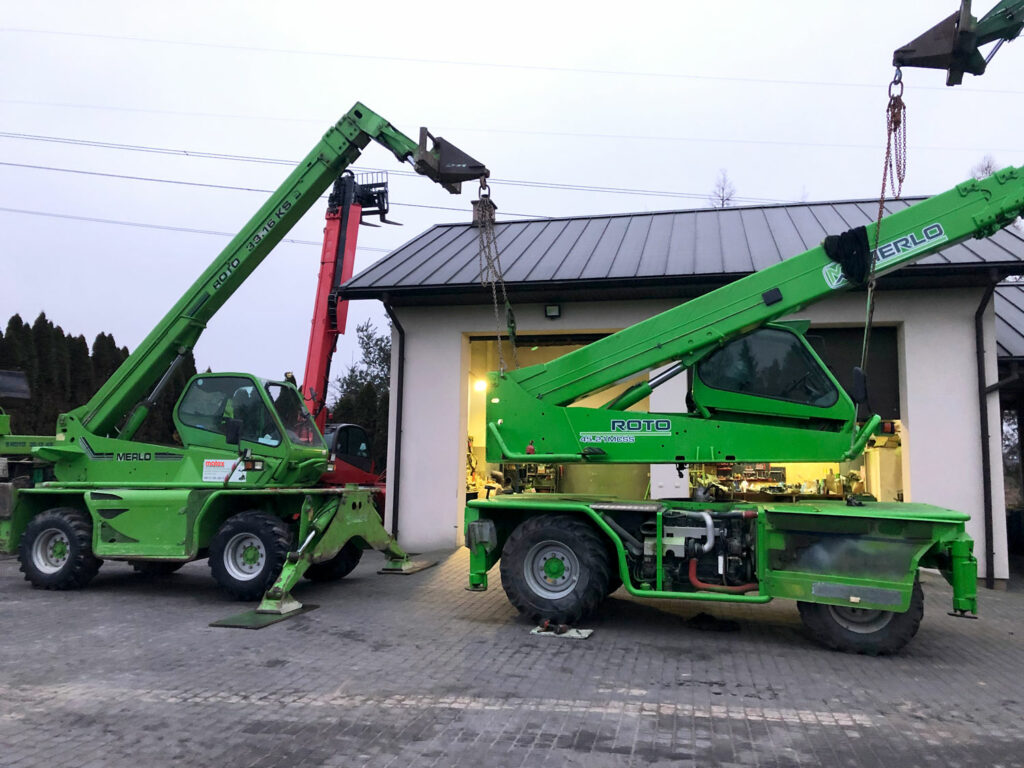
(480, 385)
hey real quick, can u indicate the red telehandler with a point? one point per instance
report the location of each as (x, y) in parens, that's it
(348, 203)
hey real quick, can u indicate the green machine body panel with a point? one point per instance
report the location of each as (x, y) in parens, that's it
(819, 552)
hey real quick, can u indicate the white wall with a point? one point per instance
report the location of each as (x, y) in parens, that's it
(938, 400)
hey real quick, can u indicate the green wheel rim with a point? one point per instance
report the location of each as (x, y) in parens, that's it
(551, 569)
(50, 550)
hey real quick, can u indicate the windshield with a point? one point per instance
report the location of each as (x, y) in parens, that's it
(298, 424)
(212, 401)
(769, 363)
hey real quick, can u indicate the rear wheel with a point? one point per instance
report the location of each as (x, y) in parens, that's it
(56, 549)
(555, 567)
(338, 567)
(860, 630)
(248, 552)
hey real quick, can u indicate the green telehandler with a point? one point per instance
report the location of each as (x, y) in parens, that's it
(243, 487)
(757, 392)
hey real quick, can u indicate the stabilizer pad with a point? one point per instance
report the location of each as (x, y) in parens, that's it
(567, 633)
(413, 566)
(254, 620)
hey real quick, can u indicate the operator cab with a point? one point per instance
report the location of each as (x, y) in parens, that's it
(773, 371)
(268, 415)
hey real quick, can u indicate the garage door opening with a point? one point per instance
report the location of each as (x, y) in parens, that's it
(878, 472)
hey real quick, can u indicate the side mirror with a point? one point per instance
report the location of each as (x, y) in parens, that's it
(233, 431)
(859, 390)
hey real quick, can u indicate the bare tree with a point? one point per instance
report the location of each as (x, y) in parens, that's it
(985, 167)
(723, 192)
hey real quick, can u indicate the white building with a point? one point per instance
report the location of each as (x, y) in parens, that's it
(576, 279)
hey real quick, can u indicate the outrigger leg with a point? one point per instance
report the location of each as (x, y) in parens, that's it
(324, 528)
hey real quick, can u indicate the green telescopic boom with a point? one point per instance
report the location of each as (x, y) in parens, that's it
(689, 331)
(121, 404)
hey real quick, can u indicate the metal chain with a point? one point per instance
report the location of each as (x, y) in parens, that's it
(894, 171)
(491, 276)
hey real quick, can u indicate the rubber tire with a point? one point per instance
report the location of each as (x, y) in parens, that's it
(154, 568)
(824, 628)
(614, 580)
(594, 568)
(338, 567)
(79, 567)
(276, 537)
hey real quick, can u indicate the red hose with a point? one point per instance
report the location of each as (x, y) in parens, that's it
(716, 587)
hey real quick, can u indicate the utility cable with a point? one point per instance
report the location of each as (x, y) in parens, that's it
(142, 225)
(292, 163)
(222, 186)
(457, 63)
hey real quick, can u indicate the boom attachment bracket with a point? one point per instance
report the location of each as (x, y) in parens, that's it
(953, 44)
(445, 163)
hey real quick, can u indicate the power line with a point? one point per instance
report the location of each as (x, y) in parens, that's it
(226, 186)
(141, 225)
(149, 111)
(292, 163)
(524, 132)
(481, 64)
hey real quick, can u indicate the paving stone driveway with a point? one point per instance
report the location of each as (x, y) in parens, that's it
(415, 671)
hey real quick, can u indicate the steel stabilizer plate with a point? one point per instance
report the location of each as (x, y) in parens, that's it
(406, 567)
(256, 620)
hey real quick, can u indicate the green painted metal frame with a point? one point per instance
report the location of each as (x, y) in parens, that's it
(946, 547)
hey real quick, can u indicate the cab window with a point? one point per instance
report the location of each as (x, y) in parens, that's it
(297, 421)
(211, 402)
(769, 363)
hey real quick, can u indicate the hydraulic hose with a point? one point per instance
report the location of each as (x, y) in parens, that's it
(738, 590)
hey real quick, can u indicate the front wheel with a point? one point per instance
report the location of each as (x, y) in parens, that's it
(555, 567)
(861, 630)
(56, 550)
(248, 552)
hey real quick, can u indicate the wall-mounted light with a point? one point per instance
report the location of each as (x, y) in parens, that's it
(480, 385)
(552, 311)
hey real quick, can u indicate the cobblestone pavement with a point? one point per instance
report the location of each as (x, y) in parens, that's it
(415, 671)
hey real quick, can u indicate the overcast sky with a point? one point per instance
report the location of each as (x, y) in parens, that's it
(788, 97)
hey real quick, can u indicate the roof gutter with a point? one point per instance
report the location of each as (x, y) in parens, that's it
(986, 462)
(394, 473)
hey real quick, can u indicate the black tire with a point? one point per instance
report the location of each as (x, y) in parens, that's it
(855, 630)
(338, 567)
(555, 567)
(248, 552)
(154, 568)
(56, 550)
(614, 580)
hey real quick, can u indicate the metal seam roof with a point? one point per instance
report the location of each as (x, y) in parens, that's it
(663, 248)
(640, 246)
